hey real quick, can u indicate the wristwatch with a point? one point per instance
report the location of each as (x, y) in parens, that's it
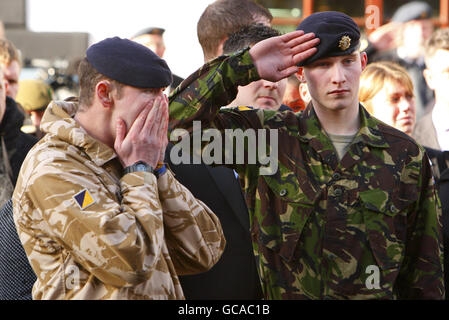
(139, 166)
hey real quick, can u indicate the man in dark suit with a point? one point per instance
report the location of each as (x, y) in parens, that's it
(433, 129)
(235, 275)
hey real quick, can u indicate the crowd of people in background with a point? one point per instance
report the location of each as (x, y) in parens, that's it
(404, 77)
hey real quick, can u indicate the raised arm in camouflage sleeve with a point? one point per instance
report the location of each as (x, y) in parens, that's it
(212, 86)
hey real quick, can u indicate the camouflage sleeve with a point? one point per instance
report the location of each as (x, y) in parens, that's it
(214, 85)
(193, 233)
(421, 274)
(197, 105)
(119, 243)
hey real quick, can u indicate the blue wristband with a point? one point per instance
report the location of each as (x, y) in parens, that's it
(159, 172)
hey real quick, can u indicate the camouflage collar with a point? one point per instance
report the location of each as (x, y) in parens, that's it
(369, 132)
(58, 120)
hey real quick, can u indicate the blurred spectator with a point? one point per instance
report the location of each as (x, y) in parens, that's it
(34, 97)
(413, 26)
(261, 94)
(224, 17)
(152, 38)
(299, 96)
(386, 90)
(14, 143)
(381, 39)
(292, 98)
(10, 62)
(433, 129)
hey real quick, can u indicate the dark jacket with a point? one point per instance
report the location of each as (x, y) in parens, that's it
(443, 189)
(425, 132)
(235, 274)
(440, 169)
(17, 142)
(16, 275)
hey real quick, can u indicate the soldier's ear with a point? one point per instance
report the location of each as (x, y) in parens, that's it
(363, 60)
(300, 75)
(103, 91)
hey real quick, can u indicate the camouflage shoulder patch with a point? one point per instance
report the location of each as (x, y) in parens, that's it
(84, 199)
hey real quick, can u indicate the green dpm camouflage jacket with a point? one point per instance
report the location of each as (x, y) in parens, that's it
(365, 227)
(91, 232)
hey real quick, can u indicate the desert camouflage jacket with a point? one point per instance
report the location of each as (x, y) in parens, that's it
(365, 227)
(91, 233)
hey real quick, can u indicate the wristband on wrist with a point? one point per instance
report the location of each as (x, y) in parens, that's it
(160, 170)
(159, 165)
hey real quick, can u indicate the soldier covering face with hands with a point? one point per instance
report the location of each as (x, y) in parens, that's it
(99, 215)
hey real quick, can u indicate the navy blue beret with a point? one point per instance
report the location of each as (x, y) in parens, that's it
(129, 63)
(414, 10)
(339, 34)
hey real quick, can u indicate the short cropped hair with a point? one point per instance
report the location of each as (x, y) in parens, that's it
(88, 79)
(224, 17)
(9, 53)
(438, 40)
(247, 36)
(375, 76)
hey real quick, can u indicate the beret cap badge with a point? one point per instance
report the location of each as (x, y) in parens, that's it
(338, 32)
(345, 43)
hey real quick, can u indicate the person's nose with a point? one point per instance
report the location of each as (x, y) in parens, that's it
(406, 105)
(270, 85)
(337, 73)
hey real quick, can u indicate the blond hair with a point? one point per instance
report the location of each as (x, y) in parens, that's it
(375, 76)
(9, 53)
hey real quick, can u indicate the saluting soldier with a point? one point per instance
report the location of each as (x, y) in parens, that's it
(99, 215)
(351, 211)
